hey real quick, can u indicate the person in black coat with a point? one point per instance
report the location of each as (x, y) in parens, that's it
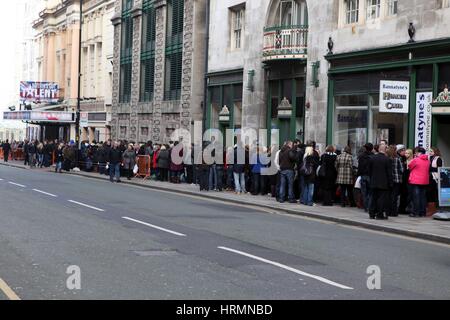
(381, 181)
(6, 150)
(328, 182)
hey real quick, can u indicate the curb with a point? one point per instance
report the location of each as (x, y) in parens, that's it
(342, 221)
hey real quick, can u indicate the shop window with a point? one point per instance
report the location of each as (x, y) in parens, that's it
(424, 77)
(350, 128)
(444, 76)
(391, 127)
(237, 105)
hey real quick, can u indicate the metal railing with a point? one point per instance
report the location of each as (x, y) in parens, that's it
(285, 42)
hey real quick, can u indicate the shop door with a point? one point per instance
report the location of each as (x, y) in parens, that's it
(443, 140)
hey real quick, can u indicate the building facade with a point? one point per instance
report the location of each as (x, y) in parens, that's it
(379, 47)
(313, 69)
(57, 40)
(96, 70)
(158, 73)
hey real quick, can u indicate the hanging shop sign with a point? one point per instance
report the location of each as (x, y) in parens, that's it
(39, 92)
(423, 120)
(84, 119)
(444, 187)
(394, 96)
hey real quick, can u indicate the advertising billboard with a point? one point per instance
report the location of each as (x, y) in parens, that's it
(39, 92)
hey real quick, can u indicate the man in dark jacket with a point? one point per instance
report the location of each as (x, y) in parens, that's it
(25, 152)
(114, 162)
(287, 160)
(363, 172)
(6, 150)
(380, 172)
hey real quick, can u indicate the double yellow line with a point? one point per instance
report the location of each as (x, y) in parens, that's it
(10, 294)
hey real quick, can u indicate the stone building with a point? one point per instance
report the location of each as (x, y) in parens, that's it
(158, 73)
(57, 41)
(96, 69)
(313, 69)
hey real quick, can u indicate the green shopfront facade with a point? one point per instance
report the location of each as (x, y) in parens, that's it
(354, 117)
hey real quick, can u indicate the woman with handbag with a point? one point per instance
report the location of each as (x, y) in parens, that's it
(308, 172)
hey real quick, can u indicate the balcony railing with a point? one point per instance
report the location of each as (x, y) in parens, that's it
(285, 42)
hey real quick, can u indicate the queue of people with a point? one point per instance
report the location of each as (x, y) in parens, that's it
(384, 180)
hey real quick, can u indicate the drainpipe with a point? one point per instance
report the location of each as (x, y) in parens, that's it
(205, 92)
(77, 121)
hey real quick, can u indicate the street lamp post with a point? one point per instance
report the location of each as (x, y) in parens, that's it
(77, 120)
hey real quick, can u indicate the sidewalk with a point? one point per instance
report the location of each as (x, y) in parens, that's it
(426, 229)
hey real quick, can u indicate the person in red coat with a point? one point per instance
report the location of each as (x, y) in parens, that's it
(419, 179)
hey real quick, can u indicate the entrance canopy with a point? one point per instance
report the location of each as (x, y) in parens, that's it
(41, 116)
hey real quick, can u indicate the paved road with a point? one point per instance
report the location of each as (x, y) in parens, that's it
(133, 243)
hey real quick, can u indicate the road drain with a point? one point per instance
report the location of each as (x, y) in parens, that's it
(153, 253)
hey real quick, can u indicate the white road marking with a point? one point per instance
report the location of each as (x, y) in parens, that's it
(86, 205)
(10, 294)
(46, 193)
(1, 179)
(16, 184)
(155, 227)
(324, 280)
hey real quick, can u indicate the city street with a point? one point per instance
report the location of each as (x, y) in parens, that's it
(135, 243)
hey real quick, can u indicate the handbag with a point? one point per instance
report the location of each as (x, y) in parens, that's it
(305, 169)
(136, 169)
(321, 171)
(358, 183)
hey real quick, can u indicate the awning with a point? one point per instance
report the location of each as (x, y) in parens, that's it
(41, 116)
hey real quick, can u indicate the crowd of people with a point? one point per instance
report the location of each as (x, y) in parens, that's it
(384, 180)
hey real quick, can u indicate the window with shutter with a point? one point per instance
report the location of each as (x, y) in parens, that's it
(174, 49)
(148, 51)
(126, 52)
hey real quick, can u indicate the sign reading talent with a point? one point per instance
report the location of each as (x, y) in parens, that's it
(394, 96)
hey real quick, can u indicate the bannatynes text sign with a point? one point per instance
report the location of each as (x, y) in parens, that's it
(39, 92)
(423, 120)
(394, 96)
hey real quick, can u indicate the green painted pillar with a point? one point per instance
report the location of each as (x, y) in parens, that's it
(412, 109)
(330, 111)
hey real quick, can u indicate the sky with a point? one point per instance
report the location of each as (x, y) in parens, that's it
(11, 34)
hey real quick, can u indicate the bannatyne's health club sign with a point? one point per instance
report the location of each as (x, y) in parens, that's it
(394, 96)
(39, 92)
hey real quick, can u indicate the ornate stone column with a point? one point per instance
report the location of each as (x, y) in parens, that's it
(117, 23)
(161, 13)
